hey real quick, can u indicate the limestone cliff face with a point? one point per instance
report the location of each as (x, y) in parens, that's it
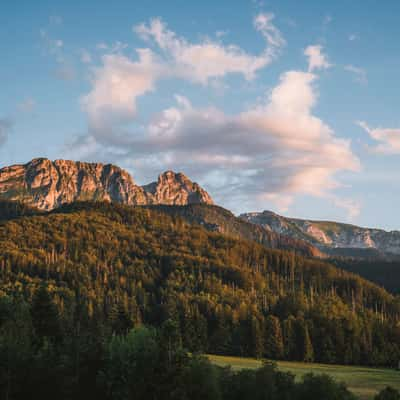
(176, 189)
(329, 237)
(47, 184)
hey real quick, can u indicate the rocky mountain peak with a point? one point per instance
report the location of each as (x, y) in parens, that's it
(175, 188)
(47, 184)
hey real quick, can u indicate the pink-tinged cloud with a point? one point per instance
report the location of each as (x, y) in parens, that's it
(388, 139)
(316, 58)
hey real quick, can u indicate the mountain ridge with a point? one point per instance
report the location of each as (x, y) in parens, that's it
(334, 238)
(46, 184)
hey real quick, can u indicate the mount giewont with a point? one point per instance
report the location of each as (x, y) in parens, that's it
(46, 185)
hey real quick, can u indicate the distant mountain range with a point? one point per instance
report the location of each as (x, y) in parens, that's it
(46, 185)
(331, 238)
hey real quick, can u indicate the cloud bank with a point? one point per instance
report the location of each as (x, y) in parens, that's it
(271, 151)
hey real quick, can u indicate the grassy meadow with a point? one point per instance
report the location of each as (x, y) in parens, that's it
(364, 382)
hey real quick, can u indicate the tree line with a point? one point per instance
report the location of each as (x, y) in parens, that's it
(40, 359)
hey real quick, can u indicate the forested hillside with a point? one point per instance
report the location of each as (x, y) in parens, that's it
(111, 267)
(384, 273)
(218, 219)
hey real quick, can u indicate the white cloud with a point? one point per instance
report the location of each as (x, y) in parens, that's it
(270, 152)
(64, 69)
(359, 73)
(316, 58)
(352, 37)
(201, 62)
(352, 207)
(263, 23)
(116, 86)
(388, 139)
(119, 81)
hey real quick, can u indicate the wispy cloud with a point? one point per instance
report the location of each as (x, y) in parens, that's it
(316, 58)
(207, 60)
(269, 152)
(388, 139)
(54, 47)
(360, 75)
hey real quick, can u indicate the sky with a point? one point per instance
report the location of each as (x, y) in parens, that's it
(281, 105)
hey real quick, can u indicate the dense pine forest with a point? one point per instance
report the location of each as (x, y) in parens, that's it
(385, 273)
(109, 268)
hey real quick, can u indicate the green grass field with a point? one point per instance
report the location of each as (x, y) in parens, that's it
(364, 382)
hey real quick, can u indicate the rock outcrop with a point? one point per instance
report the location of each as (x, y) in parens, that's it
(331, 237)
(47, 184)
(176, 189)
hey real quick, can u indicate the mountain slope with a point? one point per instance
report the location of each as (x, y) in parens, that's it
(137, 265)
(218, 219)
(333, 238)
(46, 184)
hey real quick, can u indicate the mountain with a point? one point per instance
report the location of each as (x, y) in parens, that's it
(110, 266)
(217, 219)
(46, 184)
(176, 189)
(333, 238)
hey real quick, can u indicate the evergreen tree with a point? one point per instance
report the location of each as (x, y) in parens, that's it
(274, 340)
(388, 394)
(304, 346)
(45, 317)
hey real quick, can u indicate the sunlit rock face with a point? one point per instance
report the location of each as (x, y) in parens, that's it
(176, 189)
(329, 237)
(47, 184)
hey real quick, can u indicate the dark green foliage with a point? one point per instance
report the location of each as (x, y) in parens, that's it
(388, 394)
(143, 364)
(265, 383)
(201, 380)
(383, 272)
(13, 209)
(274, 341)
(45, 317)
(317, 387)
(130, 366)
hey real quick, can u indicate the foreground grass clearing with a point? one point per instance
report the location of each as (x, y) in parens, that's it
(364, 382)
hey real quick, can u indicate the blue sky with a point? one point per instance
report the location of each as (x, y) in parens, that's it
(283, 105)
